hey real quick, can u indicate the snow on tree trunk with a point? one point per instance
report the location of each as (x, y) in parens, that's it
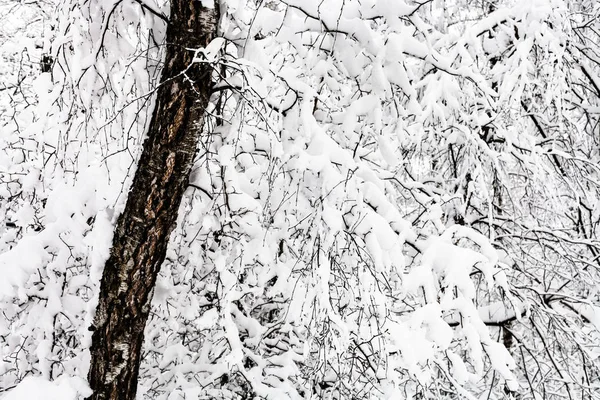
(142, 232)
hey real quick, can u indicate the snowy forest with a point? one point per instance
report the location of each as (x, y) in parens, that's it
(299, 199)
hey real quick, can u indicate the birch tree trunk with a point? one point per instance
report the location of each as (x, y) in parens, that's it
(142, 231)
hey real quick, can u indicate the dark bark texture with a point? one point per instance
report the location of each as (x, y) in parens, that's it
(142, 232)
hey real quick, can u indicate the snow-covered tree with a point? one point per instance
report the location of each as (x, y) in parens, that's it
(388, 200)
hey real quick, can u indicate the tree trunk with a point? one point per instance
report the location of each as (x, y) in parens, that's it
(142, 232)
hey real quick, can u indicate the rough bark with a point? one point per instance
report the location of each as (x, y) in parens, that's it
(143, 230)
